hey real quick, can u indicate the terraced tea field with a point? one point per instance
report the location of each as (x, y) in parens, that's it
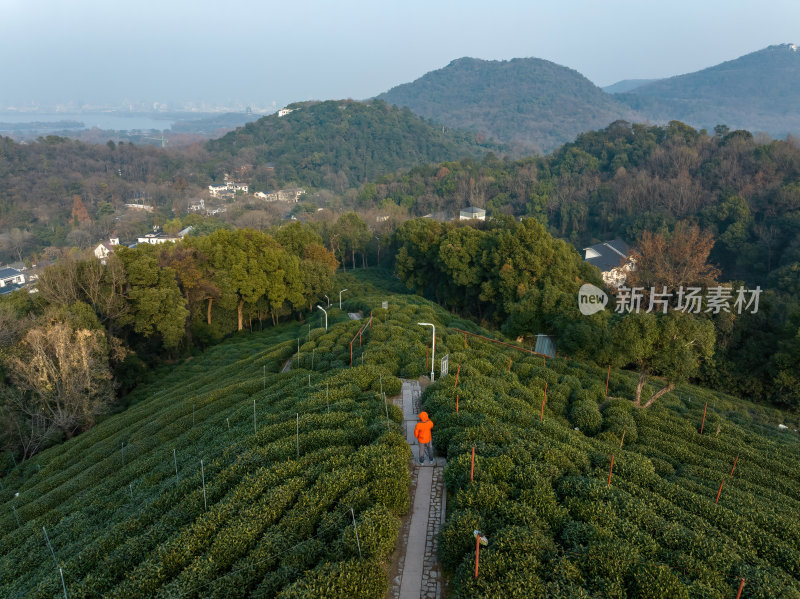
(229, 478)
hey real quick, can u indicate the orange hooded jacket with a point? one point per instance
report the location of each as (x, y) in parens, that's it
(423, 429)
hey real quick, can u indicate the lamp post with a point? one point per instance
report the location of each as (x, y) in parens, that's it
(326, 315)
(340, 298)
(433, 343)
(329, 301)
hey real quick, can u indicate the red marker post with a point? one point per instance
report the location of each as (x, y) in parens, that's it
(741, 586)
(472, 467)
(720, 491)
(703, 423)
(610, 470)
(458, 372)
(479, 540)
(544, 400)
(734, 464)
(456, 404)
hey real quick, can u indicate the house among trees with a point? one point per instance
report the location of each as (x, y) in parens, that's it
(197, 205)
(291, 195)
(228, 188)
(613, 258)
(11, 277)
(472, 213)
(157, 236)
(106, 248)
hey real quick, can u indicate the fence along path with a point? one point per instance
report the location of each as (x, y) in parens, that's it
(418, 572)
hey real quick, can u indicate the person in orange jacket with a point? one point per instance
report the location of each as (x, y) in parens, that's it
(423, 434)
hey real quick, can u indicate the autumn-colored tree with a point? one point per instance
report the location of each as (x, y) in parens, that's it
(80, 216)
(674, 259)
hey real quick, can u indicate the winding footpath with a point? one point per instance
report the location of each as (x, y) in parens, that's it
(417, 572)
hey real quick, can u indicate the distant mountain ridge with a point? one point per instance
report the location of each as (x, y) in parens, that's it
(626, 85)
(525, 101)
(759, 91)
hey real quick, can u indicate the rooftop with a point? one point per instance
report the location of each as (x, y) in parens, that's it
(607, 255)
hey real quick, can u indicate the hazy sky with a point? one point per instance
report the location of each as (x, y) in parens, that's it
(104, 51)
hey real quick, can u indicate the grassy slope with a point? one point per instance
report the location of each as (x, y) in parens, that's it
(277, 525)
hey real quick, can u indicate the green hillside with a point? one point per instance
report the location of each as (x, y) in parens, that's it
(525, 101)
(278, 520)
(338, 144)
(756, 92)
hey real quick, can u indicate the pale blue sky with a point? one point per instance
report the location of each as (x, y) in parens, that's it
(103, 51)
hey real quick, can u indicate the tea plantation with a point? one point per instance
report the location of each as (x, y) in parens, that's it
(558, 526)
(324, 458)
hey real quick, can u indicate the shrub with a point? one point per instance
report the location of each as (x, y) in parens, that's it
(586, 416)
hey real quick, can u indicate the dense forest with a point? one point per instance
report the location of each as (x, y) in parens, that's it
(630, 180)
(95, 328)
(58, 192)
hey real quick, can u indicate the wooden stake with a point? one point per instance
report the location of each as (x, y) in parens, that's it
(623, 438)
(703, 423)
(544, 400)
(720, 491)
(458, 372)
(610, 470)
(741, 586)
(509, 364)
(456, 403)
(608, 378)
(472, 467)
(734, 464)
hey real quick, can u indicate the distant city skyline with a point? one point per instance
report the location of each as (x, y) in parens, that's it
(265, 55)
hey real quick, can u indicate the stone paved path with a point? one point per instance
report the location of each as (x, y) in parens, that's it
(418, 572)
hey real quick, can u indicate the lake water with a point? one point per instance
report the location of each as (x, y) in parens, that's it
(116, 121)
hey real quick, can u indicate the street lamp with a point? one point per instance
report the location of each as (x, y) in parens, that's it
(340, 298)
(329, 301)
(433, 343)
(326, 315)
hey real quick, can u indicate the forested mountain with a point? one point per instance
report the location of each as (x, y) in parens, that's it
(338, 144)
(525, 101)
(758, 92)
(56, 191)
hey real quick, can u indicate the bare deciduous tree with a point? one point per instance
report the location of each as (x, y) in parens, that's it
(63, 382)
